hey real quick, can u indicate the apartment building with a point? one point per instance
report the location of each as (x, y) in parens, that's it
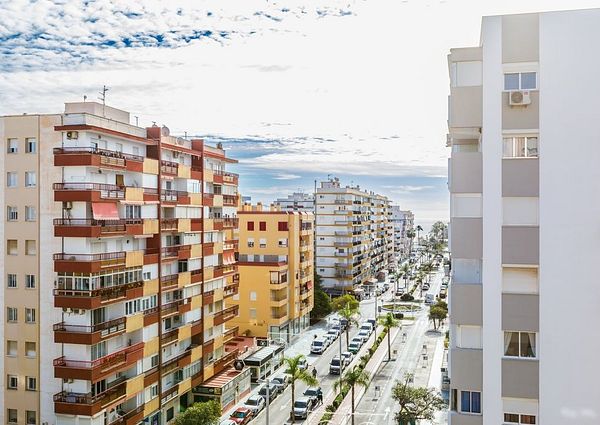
(523, 217)
(276, 257)
(297, 201)
(26, 387)
(402, 221)
(135, 228)
(353, 237)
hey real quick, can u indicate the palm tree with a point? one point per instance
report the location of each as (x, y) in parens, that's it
(388, 322)
(419, 230)
(405, 270)
(297, 374)
(349, 314)
(352, 378)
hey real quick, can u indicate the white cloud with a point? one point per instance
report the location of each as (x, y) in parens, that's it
(284, 176)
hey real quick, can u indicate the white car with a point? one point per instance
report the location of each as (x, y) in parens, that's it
(319, 345)
(256, 403)
(364, 334)
(348, 356)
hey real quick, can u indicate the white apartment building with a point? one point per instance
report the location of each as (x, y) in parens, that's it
(402, 221)
(297, 201)
(524, 221)
(353, 237)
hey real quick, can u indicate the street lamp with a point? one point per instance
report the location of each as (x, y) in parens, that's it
(267, 382)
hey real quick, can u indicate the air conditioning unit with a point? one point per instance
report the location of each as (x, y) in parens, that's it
(519, 98)
(72, 135)
(67, 205)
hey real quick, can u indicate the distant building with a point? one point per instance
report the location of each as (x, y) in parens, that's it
(403, 221)
(297, 201)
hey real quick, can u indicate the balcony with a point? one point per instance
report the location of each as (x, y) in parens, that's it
(230, 334)
(94, 298)
(176, 307)
(92, 228)
(94, 157)
(230, 222)
(224, 270)
(169, 224)
(230, 200)
(225, 315)
(169, 282)
(342, 202)
(75, 121)
(305, 247)
(94, 370)
(87, 404)
(131, 417)
(175, 196)
(176, 252)
(87, 192)
(65, 333)
(88, 263)
(230, 178)
(230, 289)
(168, 167)
(225, 361)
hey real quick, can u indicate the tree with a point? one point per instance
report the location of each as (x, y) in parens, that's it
(354, 377)
(349, 314)
(437, 313)
(204, 413)
(322, 305)
(297, 374)
(388, 322)
(419, 230)
(415, 403)
(405, 271)
(345, 300)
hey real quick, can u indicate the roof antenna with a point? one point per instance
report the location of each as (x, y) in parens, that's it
(103, 99)
(136, 120)
(185, 135)
(84, 98)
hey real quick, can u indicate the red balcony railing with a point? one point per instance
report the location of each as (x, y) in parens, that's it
(105, 191)
(90, 227)
(168, 224)
(169, 281)
(87, 404)
(169, 167)
(90, 263)
(87, 334)
(225, 315)
(97, 151)
(93, 298)
(230, 222)
(230, 200)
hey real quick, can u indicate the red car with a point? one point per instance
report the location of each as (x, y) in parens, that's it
(241, 415)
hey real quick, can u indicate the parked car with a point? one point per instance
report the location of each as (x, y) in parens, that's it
(334, 332)
(302, 363)
(301, 407)
(349, 356)
(358, 339)
(337, 365)
(281, 381)
(425, 286)
(329, 339)
(344, 323)
(273, 391)
(318, 346)
(366, 326)
(429, 299)
(241, 415)
(256, 403)
(354, 347)
(337, 327)
(364, 334)
(312, 394)
(373, 322)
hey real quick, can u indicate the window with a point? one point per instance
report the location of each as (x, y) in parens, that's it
(12, 213)
(11, 179)
(282, 226)
(520, 81)
(11, 348)
(520, 147)
(11, 280)
(30, 349)
(31, 417)
(31, 145)
(154, 391)
(133, 211)
(132, 307)
(252, 295)
(30, 213)
(250, 242)
(262, 226)
(252, 313)
(30, 247)
(11, 416)
(12, 146)
(250, 226)
(30, 179)
(30, 281)
(283, 243)
(262, 243)
(12, 382)
(519, 344)
(170, 413)
(147, 275)
(470, 402)
(154, 363)
(30, 383)
(11, 314)
(29, 315)
(12, 247)
(515, 418)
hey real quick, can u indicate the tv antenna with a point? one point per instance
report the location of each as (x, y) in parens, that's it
(103, 98)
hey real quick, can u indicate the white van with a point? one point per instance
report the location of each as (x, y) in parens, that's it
(429, 299)
(366, 327)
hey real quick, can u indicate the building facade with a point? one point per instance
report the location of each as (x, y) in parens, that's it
(27, 313)
(519, 205)
(136, 229)
(297, 201)
(403, 221)
(276, 257)
(353, 235)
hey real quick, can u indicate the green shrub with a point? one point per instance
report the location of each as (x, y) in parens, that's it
(407, 297)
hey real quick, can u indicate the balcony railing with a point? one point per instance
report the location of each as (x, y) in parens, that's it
(87, 403)
(97, 151)
(169, 167)
(225, 315)
(108, 226)
(230, 200)
(107, 191)
(306, 226)
(168, 195)
(107, 328)
(106, 294)
(169, 280)
(103, 362)
(169, 223)
(230, 222)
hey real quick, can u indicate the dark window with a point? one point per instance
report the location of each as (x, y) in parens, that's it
(282, 226)
(262, 226)
(250, 225)
(170, 413)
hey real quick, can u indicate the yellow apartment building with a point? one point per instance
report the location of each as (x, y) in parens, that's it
(276, 256)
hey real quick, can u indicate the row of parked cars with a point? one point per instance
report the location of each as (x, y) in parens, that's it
(364, 332)
(303, 405)
(256, 403)
(319, 345)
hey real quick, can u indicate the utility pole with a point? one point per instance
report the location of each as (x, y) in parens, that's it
(268, 399)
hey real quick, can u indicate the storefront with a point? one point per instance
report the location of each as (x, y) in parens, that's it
(228, 387)
(264, 362)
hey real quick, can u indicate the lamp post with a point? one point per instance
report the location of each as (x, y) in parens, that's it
(267, 382)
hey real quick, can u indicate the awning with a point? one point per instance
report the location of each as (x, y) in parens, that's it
(229, 258)
(105, 211)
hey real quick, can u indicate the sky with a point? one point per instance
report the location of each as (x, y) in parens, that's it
(297, 90)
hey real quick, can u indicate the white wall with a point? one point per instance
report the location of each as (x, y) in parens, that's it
(569, 216)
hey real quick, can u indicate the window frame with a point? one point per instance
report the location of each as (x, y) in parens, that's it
(520, 82)
(513, 147)
(519, 420)
(30, 315)
(10, 174)
(27, 422)
(16, 352)
(12, 278)
(29, 143)
(250, 226)
(9, 383)
(28, 179)
(262, 226)
(8, 416)
(12, 213)
(28, 381)
(460, 402)
(28, 216)
(520, 345)
(12, 314)
(10, 150)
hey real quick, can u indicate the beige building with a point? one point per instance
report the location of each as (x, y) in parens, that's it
(276, 256)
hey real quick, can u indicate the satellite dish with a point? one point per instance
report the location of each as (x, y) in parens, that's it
(164, 131)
